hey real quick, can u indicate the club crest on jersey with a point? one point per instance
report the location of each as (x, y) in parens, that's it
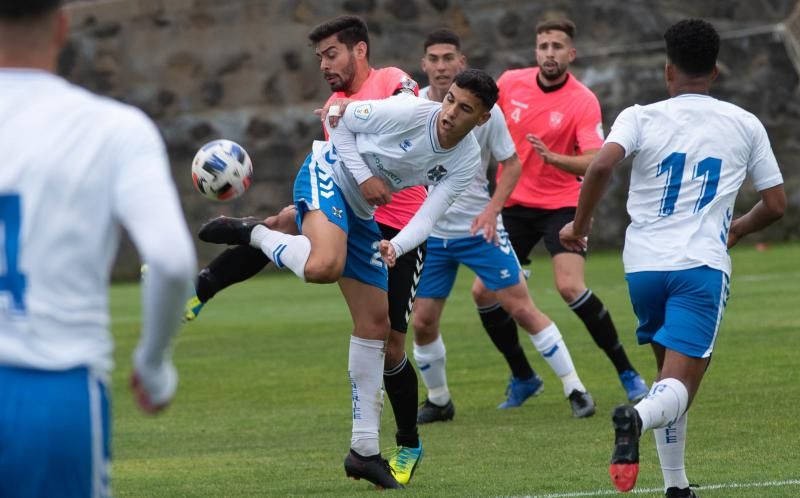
(363, 111)
(436, 173)
(405, 145)
(555, 119)
(336, 211)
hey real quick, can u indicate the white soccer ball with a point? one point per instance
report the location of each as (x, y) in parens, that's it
(222, 170)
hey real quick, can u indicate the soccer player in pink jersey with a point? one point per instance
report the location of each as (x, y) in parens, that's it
(556, 125)
(342, 45)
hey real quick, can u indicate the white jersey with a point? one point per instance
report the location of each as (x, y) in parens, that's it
(692, 153)
(75, 167)
(395, 139)
(495, 142)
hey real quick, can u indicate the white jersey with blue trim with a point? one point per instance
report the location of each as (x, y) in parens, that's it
(76, 167)
(692, 154)
(395, 139)
(495, 142)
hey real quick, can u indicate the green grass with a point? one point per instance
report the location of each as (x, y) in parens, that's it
(263, 407)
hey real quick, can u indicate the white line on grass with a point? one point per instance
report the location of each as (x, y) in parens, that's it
(729, 485)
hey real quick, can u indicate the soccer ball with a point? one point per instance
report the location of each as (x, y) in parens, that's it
(221, 170)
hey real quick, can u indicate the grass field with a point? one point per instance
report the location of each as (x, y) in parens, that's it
(263, 407)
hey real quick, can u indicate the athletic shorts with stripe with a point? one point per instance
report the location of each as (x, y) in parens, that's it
(496, 265)
(314, 189)
(54, 433)
(403, 281)
(680, 310)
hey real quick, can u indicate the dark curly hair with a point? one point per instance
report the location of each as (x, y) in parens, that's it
(480, 84)
(348, 30)
(26, 9)
(443, 36)
(692, 46)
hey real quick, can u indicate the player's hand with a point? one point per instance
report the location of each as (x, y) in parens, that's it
(540, 147)
(486, 221)
(388, 253)
(153, 388)
(576, 242)
(375, 191)
(333, 111)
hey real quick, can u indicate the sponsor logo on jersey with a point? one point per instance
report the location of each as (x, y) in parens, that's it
(363, 111)
(388, 174)
(436, 173)
(405, 145)
(555, 119)
(504, 274)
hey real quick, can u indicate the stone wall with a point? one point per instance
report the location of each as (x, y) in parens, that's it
(243, 69)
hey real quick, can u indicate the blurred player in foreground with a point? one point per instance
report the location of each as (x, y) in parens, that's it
(79, 167)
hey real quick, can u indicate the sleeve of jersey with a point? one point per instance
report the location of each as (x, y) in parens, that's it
(369, 116)
(590, 126)
(147, 205)
(625, 131)
(399, 82)
(763, 167)
(500, 141)
(440, 197)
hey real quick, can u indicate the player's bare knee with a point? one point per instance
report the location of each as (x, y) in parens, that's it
(321, 270)
(481, 295)
(570, 292)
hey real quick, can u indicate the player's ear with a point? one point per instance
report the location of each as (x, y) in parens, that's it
(484, 118)
(361, 49)
(714, 72)
(572, 54)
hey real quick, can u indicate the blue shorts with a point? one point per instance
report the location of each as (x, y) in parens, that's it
(54, 433)
(314, 189)
(496, 266)
(680, 310)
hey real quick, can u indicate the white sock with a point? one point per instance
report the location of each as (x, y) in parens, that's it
(365, 368)
(284, 250)
(431, 360)
(551, 346)
(663, 405)
(671, 446)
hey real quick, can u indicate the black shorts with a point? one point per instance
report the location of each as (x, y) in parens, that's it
(403, 280)
(526, 226)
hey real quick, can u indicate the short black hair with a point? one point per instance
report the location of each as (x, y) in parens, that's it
(692, 46)
(26, 9)
(480, 84)
(348, 30)
(564, 25)
(444, 36)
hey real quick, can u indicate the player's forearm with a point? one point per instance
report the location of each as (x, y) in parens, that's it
(576, 165)
(768, 210)
(345, 142)
(512, 169)
(421, 224)
(594, 185)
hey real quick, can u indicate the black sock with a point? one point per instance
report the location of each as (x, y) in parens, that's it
(598, 321)
(502, 329)
(233, 265)
(401, 388)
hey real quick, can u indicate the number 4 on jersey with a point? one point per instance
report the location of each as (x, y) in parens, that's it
(11, 280)
(709, 169)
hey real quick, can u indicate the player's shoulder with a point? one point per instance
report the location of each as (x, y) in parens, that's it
(116, 116)
(396, 79)
(578, 88)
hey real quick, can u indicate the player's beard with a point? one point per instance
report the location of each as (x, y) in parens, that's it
(551, 73)
(346, 76)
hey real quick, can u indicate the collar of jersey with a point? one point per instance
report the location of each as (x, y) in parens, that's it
(432, 132)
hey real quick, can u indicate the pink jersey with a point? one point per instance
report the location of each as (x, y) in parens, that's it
(380, 84)
(567, 120)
